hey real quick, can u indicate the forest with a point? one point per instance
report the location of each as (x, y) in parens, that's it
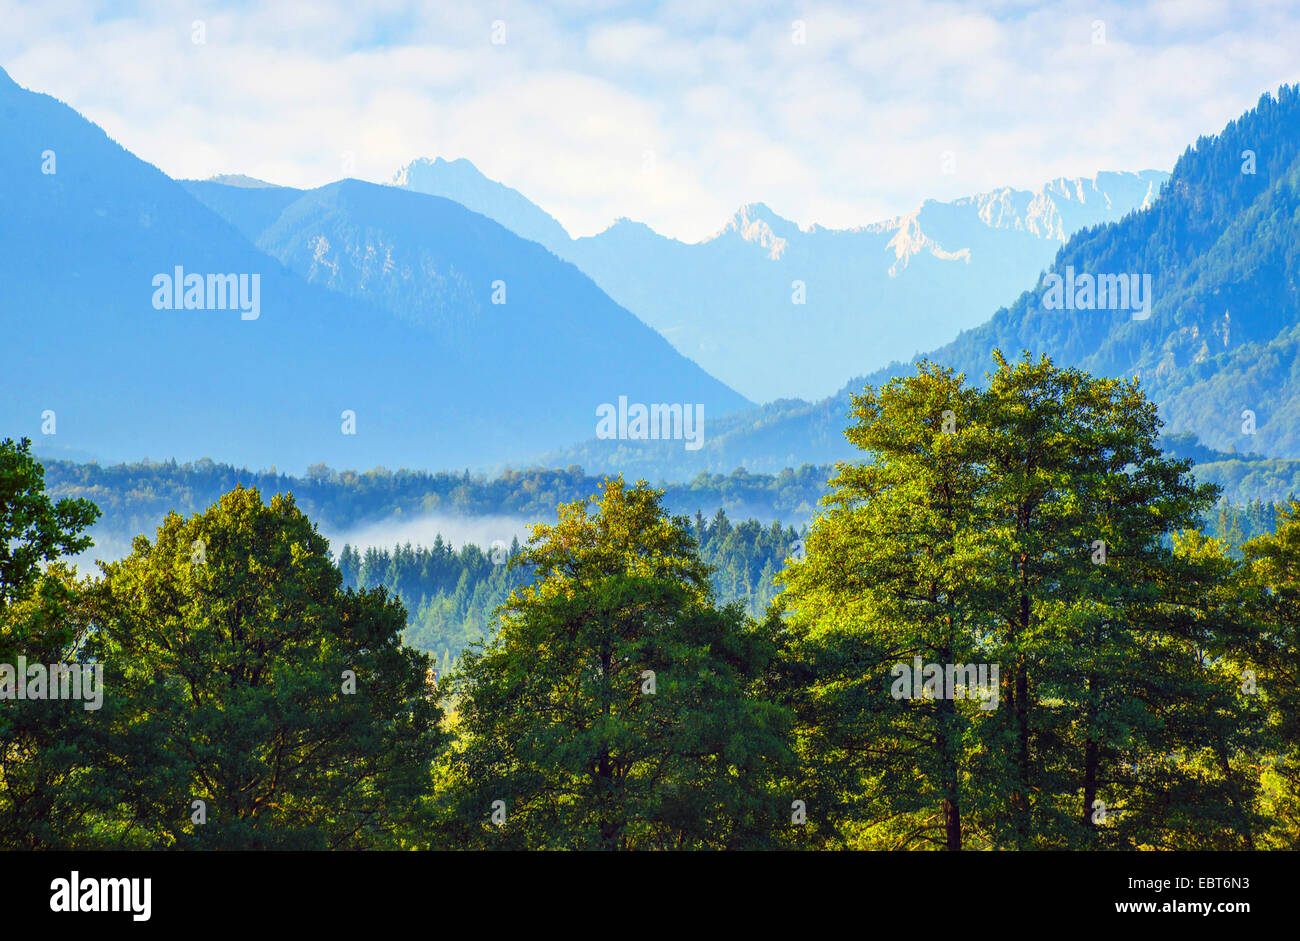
(452, 596)
(133, 496)
(1016, 623)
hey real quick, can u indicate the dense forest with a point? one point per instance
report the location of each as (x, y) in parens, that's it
(451, 593)
(1009, 627)
(452, 596)
(135, 497)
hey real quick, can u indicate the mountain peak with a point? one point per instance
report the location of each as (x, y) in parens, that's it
(461, 181)
(419, 168)
(241, 180)
(1053, 211)
(627, 224)
(758, 224)
(762, 212)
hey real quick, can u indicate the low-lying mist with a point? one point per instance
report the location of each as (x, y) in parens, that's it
(481, 531)
(112, 542)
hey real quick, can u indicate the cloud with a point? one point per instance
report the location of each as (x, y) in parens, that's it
(842, 129)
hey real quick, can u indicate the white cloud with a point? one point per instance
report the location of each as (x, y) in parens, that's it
(843, 130)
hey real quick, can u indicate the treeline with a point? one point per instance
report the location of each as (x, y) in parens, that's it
(451, 596)
(1235, 525)
(133, 498)
(1243, 481)
(1005, 630)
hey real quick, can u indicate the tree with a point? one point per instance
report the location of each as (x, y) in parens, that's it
(885, 580)
(1271, 591)
(1029, 526)
(43, 745)
(34, 529)
(1112, 697)
(616, 707)
(288, 706)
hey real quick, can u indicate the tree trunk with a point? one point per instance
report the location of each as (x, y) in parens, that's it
(609, 828)
(1020, 797)
(951, 785)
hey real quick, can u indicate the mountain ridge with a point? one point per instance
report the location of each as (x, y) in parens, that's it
(1222, 339)
(305, 373)
(745, 300)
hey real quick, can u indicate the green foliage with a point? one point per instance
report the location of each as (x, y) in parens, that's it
(617, 684)
(972, 536)
(223, 645)
(1271, 591)
(33, 528)
(452, 596)
(234, 637)
(558, 729)
(44, 791)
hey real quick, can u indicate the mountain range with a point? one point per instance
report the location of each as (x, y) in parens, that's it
(1218, 349)
(396, 327)
(755, 304)
(376, 326)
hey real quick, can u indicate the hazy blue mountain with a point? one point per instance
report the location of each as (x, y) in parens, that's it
(1222, 248)
(250, 209)
(455, 381)
(1221, 245)
(556, 338)
(461, 182)
(240, 179)
(883, 291)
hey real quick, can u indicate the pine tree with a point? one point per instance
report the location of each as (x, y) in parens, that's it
(884, 581)
(1033, 526)
(616, 706)
(286, 703)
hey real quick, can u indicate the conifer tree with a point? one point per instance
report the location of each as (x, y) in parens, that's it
(617, 707)
(286, 704)
(1031, 525)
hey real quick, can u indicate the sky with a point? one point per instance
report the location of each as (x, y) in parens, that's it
(673, 114)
